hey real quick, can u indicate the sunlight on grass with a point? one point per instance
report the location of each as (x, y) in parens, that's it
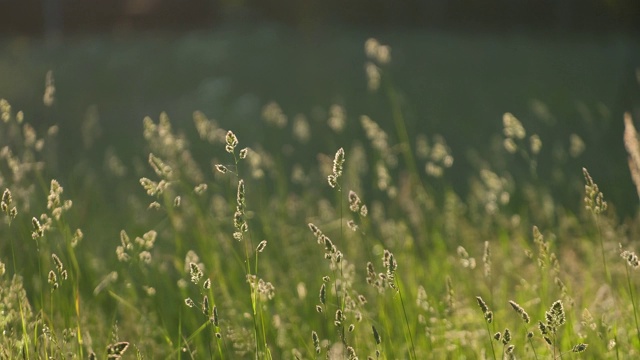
(273, 251)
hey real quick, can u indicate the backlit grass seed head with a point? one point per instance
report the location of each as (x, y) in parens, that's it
(243, 153)
(206, 284)
(535, 144)
(316, 341)
(49, 90)
(351, 353)
(512, 128)
(354, 201)
(231, 140)
(145, 257)
(486, 260)
(579, 348)
(7, 200)
(189, 302)
(631, 258)
(364, 211)
(205, 305)
(221, 168)
(315, 230)
(241, 195)
(506, 337)
(351, 328)
(376, 335)
(176, 201)
(518, 309)
(57, 262)
(352, 225)
(272, 113)
(53, 199)
(323, 294)
(52, 279)
(78, 235)
(594, 199)
(338, 162)
(373, 76)
(482, 304)
(115, 351)
(195, 272)
(200, 189)
(337, 118)
(319, 309)
(38, 231)
(160, 167)
(510, 349)
(261, 246)
(497, 336)
(214, 318)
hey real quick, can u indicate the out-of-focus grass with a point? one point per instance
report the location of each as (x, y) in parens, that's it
(561, 84)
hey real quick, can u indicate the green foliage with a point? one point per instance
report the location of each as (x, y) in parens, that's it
(216, 260)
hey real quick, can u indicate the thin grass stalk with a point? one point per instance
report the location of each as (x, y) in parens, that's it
(633, 302)
(20, 305)
(406, 322)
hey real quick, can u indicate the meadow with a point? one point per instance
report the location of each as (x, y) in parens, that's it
(332, 233)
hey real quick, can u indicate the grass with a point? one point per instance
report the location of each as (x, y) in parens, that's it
(272, 251)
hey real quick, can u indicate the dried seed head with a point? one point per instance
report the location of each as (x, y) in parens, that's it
(243, 153)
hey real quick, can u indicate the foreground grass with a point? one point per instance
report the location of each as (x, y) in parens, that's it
(268, 251)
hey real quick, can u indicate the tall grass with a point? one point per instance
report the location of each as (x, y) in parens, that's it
(216, 260)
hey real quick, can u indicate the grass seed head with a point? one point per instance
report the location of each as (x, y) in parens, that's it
(579, 348)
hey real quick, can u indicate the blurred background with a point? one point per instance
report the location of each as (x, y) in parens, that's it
(568, 69)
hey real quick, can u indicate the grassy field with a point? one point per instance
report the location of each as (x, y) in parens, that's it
(333, 227)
